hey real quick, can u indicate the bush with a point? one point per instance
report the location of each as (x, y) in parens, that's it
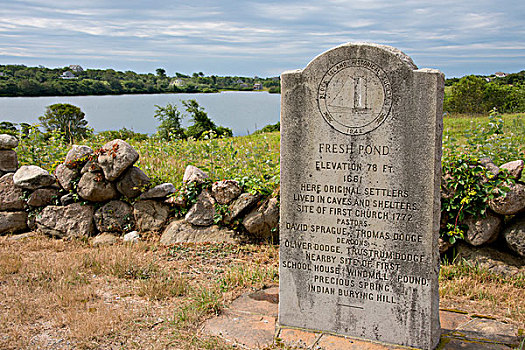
(467, 187)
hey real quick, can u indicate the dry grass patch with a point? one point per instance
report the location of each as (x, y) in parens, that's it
(68, 295)
(476, 290)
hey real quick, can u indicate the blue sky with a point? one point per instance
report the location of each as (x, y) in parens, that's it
(261, 38)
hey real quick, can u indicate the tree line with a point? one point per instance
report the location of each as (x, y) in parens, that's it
(478, 95)
(19, 80)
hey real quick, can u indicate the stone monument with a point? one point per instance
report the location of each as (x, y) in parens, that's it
(361, 130)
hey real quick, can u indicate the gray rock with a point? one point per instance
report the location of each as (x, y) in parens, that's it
(103, 239)
(194, 174)
(66, 176)
(483, 230)
(514, 234)
(180, 231)
(202, 212)
(263, 221)
(74, 220)
(491, 259)
(159, 191)
(12, 222)
(444, 246)
(8, 161)
(115, 216)
(133, 182)
(23, 236)
(178, 201)
(32, 177)
(8, 141)
(11, 196)
(116, 156)
(512, 203)
(91, 167)
(240, 206)
(150, 215)
(131, 237)
(489, 165)
(77, 156)
(93, 187)
(514, 168)
(67, 199)
(42, 197)
(225, 191)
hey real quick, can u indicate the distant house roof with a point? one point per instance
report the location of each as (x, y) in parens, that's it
(76, 68)
(177, 82)
(257, 86)
(500, 74)
(67, 75)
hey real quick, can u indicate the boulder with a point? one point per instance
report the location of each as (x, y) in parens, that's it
(178, 201)
(444, 245)
(514, 168)
(194, 174)
(150, 215)
(180, 231)
(12, 222)
(159, 191)
(240, 206)
(263, 221)
(115, 157)
(91, 167)
(115, 216)
(491, 259)
(93, 187)
(512, 202)
(132, 182)
(77, 156)
(8, 141)
(202, 213)
(514, 234)
(482, 230)
(66, 176)
(131, 237)
(42, 197)
(225, 191)
(74, 220)
(8, 161)
(490, 166)
(32, 177)
(67, 199)
(10, 195)
(105, 238)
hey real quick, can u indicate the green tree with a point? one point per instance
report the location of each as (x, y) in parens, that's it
(466, 96)
(170, 122)
(161, 72)
(67, 119)
(200, 119)
(202, 124)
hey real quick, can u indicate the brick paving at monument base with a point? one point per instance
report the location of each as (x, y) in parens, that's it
(250, 322)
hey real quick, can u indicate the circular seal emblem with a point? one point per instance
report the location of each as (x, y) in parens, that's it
(355, 96)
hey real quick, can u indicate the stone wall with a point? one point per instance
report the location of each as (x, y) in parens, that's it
(101, 193)
(495, 241)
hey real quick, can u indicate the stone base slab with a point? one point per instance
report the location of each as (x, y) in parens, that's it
(251, 323)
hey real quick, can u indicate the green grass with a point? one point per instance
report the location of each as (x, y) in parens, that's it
(254, 160)
(458, 126)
